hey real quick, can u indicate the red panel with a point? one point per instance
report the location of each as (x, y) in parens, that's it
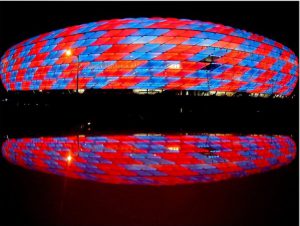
(233, 39)
(162, 40)
(121, 48)
(64, 45)
(263, 49)
(193, 65)
(125, 82)
(73, 83)
(178, 40)
(265, 77)
(257, 38)
(286, 68)
(111, 56)
(171, 23)
(231, 86)
(47, 84)
(180, 48)
(20, 75)
(266, 63)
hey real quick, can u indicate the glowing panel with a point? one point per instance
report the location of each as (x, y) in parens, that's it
(151, 53)
(152, 159)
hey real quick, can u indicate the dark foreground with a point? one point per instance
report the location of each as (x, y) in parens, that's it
(36, 198)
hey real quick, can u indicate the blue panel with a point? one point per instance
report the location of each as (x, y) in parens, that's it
(163, 48)
(208, 51)
(248, 63)
(158, 32)
(100, 82)
(210, 35)
(247, 87)
(214, 83)
(61, 83)
(87, 58)
(277, 66)
(144, 39)
(206, 42)
(148, 56)
(245, 48)
(35, 84)
(220, 52)
(251, 43)
(83, 43)
(87, 27)
(142, 32)
(192, 41)
(198, 57)
(133, 55)
(147, 47)
(198, 74)
(203, 86)
(129, 39)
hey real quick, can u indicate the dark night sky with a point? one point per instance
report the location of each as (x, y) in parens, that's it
(275, 20)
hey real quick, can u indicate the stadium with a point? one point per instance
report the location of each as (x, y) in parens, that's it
(151, 55)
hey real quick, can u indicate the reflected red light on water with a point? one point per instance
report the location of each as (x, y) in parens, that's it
(152, 159)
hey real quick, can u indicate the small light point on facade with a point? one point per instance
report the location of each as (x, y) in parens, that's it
(173, 148)
(175, 66)
(69, 158)
(68, 52)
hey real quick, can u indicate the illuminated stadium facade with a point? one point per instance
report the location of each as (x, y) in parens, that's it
(151, 54)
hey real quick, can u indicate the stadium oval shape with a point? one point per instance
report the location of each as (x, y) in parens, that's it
(152, 159)
(151, 53)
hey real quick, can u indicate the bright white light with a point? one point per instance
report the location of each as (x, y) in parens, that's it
(173, 148)
(81, 91)
(174, 66)
(69, 158)
(147, 91)
(68, 52)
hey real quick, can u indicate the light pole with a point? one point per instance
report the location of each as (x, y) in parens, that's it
(69, 53)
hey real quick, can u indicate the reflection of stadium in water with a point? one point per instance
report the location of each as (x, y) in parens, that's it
(152, 159)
